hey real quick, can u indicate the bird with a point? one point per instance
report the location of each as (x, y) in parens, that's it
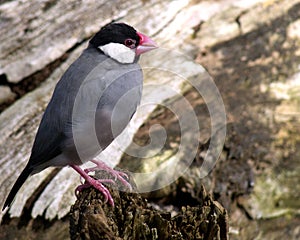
(91, 105)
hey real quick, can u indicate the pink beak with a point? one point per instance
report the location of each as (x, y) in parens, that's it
(146, 44)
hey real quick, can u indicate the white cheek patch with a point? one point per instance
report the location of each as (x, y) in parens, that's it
(119, 52)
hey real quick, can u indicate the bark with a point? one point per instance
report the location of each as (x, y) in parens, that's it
(251, 49)
(135, 218)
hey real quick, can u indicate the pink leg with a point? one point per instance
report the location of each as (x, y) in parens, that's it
(95, 183)
(81, 187)
(116, 174)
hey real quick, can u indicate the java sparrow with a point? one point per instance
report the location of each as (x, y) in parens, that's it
(91, 105)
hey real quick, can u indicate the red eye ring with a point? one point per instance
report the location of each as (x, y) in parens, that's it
(130, 43)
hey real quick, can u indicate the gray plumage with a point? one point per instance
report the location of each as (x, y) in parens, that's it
(97, 82)
(91, 105)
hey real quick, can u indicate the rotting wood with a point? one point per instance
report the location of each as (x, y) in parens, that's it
(134, 218)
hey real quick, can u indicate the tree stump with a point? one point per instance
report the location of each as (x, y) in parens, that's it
(133, 217)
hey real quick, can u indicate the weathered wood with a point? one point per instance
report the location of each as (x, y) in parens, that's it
(18, 124)
(6, 95)
(35, 33)
(241, 18)
(258, 72)
(134, 218)
(242, 39)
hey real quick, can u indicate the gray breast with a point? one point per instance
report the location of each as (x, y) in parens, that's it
(104, 105)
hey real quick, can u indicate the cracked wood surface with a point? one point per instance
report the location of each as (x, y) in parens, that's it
(35, 33)
(61, 27)
(18, 127)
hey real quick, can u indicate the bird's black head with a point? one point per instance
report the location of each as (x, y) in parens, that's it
(116, 33)
(121, 42)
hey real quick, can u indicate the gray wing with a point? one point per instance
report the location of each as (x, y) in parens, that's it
(52, 130)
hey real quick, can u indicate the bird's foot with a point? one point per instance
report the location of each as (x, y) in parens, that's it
(79, 188)
(96, 183)
(116, 174)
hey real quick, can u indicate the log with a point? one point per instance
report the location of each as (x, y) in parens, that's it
(210, 26)
(36, 33)
(133, 217)
(21, 35)
(18, 123)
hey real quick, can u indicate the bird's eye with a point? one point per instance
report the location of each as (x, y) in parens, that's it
(130, 43)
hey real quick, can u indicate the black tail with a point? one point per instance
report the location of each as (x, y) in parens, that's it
(18, 184)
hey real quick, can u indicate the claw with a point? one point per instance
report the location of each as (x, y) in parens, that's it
(80, 188)
(116, 174)
(96, 183)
